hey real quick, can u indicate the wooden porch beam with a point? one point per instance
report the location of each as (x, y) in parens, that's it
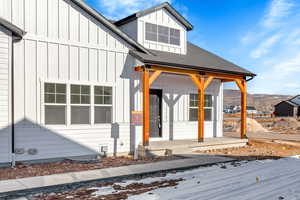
(208, 81)
(196, 80)
(146, 107)
(154, 76)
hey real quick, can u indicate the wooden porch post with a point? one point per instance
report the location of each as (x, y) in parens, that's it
(244, 110)
(146, 100)
(243, 87)
(201, 102)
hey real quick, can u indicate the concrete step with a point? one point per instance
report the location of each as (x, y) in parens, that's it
(191, 147)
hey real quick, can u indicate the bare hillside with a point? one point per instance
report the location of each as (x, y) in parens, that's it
(262, 102)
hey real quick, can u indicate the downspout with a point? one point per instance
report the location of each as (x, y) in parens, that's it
(13, 160)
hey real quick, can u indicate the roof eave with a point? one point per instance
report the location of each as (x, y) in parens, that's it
(179, 66)
(16, 31)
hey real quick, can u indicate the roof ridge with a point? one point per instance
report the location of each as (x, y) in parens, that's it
(165, 5)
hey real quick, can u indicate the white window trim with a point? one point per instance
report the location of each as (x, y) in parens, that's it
(196, 107)
(161, 43)
(68, 104)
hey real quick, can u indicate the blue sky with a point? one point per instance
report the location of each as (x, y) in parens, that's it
(260, 35)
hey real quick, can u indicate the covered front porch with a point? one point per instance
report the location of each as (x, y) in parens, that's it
(201, 79)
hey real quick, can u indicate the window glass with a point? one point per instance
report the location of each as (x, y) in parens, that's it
(103, 114)
(80, 94)
(55, 114)
(193, 110)
(55, 93)
(151, 32)
(103, 95)
(163, 34)
(174, 36)
(80, 114)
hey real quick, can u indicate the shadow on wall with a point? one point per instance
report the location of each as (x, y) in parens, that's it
(36, 142)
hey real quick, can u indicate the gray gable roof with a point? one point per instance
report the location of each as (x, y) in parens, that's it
(196, 59)
(13, 28)
(109, 25)
(165, 5)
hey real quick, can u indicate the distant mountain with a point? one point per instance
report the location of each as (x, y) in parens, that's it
(262, 102)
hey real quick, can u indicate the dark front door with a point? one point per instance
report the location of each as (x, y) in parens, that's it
(155, 113)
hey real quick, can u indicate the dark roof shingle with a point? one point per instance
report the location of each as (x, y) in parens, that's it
(196, 59)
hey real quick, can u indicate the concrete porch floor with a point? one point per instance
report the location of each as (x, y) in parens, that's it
(190, 146)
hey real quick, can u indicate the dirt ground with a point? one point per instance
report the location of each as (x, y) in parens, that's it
(284, 125)
(259, 149)
(23, 170)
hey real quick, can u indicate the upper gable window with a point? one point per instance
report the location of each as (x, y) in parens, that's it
(162, 34)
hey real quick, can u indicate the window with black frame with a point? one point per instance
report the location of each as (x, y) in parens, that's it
(193, 107)
(103, 104)
(55, 103)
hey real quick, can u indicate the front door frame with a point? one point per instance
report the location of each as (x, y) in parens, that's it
(158, 92)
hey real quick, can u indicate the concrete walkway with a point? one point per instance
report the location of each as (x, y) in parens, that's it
(27, 184)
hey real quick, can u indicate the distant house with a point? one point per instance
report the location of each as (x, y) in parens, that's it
(251, 110)
(288, 108)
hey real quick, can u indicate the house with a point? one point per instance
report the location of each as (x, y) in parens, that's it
(251, 110)
(76, 84)
(288, 108)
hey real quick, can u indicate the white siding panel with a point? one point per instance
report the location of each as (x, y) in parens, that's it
(84, 64)
(53, 16)
(18, 13)
(74, 63)
(42, 18)
(53, 68)
(102, 66)
(30, 81)
(19, 75)
(63, 20)
(93, 65)
(111, 66)
(5, 129)
(74, 24)
(42, 59)
(84, 29)
(63, 62)
(30, 16)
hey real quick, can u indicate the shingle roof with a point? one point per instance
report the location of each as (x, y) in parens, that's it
(13, 28)
(196, 58)
(109, 25)
(165, 5)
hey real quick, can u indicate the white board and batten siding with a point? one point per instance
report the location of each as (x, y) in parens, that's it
(5, 97)
(64, 44)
